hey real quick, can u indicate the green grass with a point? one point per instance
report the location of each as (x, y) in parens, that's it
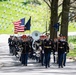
(9, 15)
(15, 9)
(72, 53)
(72, 27)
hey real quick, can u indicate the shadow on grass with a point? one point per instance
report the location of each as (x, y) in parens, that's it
(72, 40)
(3, 0)
(25, 3)
(28, 2)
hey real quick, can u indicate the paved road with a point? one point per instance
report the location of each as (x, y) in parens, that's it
(11, 65)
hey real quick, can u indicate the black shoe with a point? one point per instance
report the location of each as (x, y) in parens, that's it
(64, 64)
(42, 64)
(58, 66)
(45, 66)
(61, 66)
(25, 64)
(48, 65)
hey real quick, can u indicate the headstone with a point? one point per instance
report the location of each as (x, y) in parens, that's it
(3, 21)
(24, 1)
(12, 18)
(1, 16)
(12, 29)
(22, 11)
(5, 16)
(3, 5)
(73, 13)
(13, 3)
(10, 13)
(8, 0)
(27, 8)
(74, 23)
(17, 15)
(19, 10)
(5, 27)
(0, 27)
(9, 23)
(9, 7)
(16, 4)
(4, 11)
(15, 10)
(21, 5)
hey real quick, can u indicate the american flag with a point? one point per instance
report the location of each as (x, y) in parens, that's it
(19, 25)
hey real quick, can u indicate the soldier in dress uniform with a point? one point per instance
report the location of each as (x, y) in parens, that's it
(48, 47)
(62, 50)
(66, 51)
(30, 40)
(13, 45)
(16, 45)
(25, 50)
(42, 38)
(10, 44)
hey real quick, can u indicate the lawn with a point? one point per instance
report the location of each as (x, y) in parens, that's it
(72, 52)
(14, 10)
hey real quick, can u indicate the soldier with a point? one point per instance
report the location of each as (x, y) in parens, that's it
(42, 38)
(30, 40)
(25, 50)
(48, 46)
(62, 50)
(13, 43)
(66, 51)
(10, 44)
(16, 45)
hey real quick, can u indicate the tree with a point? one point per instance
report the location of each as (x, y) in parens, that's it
(65, 18)
(53, 18)
(72, 13)
(53, 6)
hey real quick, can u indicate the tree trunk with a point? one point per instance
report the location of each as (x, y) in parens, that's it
(53, 18)
(65, 18)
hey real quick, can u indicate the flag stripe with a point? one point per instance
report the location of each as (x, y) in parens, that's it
(19, 25)
(20, 29)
